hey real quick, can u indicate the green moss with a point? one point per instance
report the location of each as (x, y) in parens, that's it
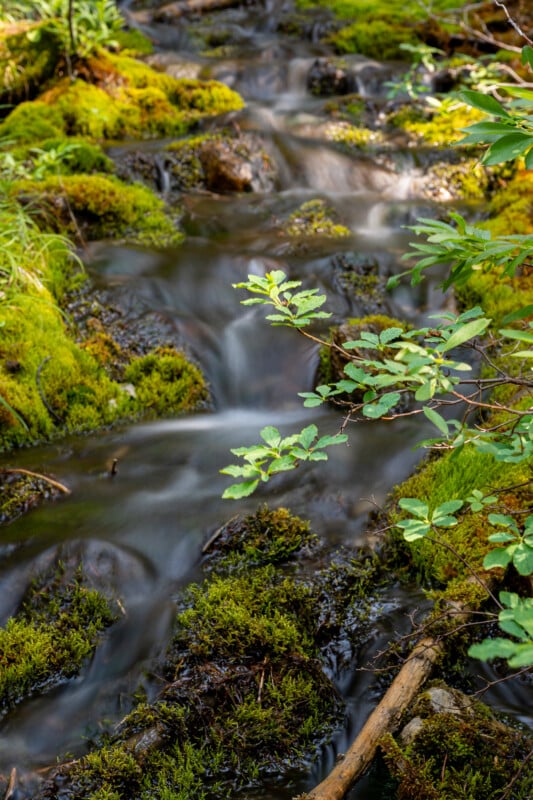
(511, 208)
(166, 382)
(375, 38)
(314, 218)
(133, 42)
(454, 476)
(32, 122)
(352, 136)
(266, 537)
(55, 631)
(442, 127)
(103, 207)
(29, 56)
(469, 755)
(130, 99)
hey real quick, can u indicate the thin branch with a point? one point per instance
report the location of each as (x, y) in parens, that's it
(51, 481)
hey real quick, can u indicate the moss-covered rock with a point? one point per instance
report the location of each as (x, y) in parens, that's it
(453, 746)
(30, 54)
(315, 218)
(246, 692)
(117, 97)
(56, 629)
(100, 206)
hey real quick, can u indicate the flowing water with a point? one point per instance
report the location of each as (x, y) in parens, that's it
(142, 530)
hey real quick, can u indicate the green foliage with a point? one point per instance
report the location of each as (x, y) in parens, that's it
(295, 310)
(510, 136)
(422, 522)
(278, 454)
(517, 545)
(516, 619)
(467, 249)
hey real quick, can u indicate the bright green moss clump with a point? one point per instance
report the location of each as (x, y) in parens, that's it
(314, 218)
(119, 97)
(55, 631)
(442, 127)
(166, 382)
(103, 207)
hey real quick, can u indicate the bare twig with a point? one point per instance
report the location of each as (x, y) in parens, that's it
(51, 481)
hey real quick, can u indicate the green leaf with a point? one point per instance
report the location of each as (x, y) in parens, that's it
(523, 657)
(238, 490)
(500, 557)
(507, 148)
(414, 506)
(283, 464)
(502, 519)
(271, 436)
(492, 648)
(436, 419)
(523, 559)
(527, 56)
(327, 441)
(307, 436)
(520, 313)
(389, 334)
(449, 507)
(521, 336)
(414, 529)
(464, 333)
(483, 102)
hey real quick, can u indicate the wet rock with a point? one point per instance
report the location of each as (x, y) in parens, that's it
(225, 171)
(328, 78)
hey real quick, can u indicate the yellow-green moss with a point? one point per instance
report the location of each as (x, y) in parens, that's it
(131, 100)
(352, 136)
(442, 127)
(30, 53)
(103, 207)
(315, 218)
(56, 629)
(166, 382)
(511, 208)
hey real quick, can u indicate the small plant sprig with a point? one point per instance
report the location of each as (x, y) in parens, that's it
(295, 310)
(277, 454)
(516, 619)
(517, 546)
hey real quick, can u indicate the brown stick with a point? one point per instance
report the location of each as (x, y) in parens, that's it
(384, 719)
(51, 481)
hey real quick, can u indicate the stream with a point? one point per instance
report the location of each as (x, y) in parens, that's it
(143, 529)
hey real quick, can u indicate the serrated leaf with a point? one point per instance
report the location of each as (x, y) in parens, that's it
(328, 441)
(307, 436)
(523, 656)
(444, 521)
(502, 519)
(238, 490)
(501, 537)
(414, 529)
(449, 507)
(389, 334)
(523, 559)
(283, 464)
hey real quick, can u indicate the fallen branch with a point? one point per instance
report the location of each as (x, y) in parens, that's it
(51, 481)
(384, 719)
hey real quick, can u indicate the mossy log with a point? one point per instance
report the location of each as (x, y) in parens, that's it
(384, 719)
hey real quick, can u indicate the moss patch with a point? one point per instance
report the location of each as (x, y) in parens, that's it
(315, 218)
(49, 639)
(103, 207)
